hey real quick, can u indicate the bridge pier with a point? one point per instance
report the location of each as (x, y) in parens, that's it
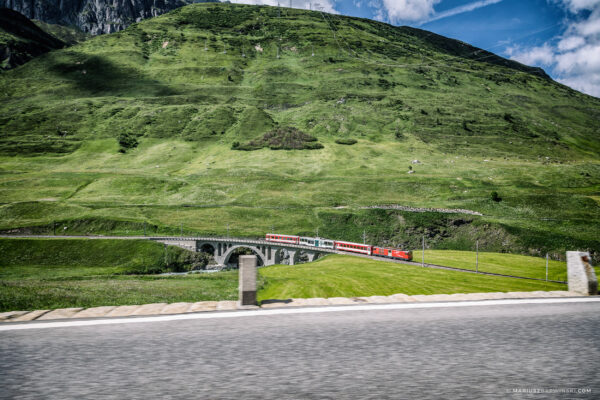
(273, 256)
(293, 256)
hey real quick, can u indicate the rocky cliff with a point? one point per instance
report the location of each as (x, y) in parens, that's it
(93, 16)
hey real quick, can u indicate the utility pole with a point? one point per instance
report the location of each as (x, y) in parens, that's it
(364, 236)
(546, 267)
(423, 253)
(224, 49)
(477, 256)
(205, 44)
(313, 50)
(277, 51)
(317, 231)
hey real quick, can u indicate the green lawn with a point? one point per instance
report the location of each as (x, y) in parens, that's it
(499, 263)
(347, 276)
(110, 290)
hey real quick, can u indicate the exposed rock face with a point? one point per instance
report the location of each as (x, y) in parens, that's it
(93, 16)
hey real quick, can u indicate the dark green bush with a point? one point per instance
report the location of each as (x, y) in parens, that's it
(127, 141)
(348, 141)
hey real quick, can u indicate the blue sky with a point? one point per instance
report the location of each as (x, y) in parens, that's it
(561, 36)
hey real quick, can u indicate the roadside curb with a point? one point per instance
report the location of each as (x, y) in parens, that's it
(208, 306)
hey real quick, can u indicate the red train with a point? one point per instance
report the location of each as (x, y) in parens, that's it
(342, 246)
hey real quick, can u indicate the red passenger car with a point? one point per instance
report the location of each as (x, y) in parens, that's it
(354, 247)
(275, 237)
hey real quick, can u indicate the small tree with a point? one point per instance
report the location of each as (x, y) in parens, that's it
(495, 197)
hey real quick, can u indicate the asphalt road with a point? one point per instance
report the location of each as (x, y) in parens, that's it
(439, 353)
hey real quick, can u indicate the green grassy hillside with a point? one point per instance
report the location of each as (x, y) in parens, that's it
(139, 126)
(69, 34)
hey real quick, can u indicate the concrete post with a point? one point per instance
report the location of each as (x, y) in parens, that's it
(581, 276)
(247, 280)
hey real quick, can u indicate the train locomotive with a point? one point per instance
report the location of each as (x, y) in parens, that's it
(341, 245)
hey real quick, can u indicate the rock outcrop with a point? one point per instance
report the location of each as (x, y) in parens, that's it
(93, 16)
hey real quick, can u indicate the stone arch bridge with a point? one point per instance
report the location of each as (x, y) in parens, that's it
(269, 253)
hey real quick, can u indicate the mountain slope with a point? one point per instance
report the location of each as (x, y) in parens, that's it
(21, 40)
(69, 34)
(190, 84)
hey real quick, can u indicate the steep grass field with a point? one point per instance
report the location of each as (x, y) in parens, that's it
(187, 85)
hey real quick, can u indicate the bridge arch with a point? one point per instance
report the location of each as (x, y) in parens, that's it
(254, 249)
(207, 248)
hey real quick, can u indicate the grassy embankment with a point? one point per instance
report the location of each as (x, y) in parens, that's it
(498, 263)
(348, 276)
(475, 126)
(41, 274)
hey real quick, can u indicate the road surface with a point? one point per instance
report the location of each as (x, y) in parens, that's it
(475, 352)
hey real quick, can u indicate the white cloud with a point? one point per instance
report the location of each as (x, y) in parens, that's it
(542, 55)
(577, 5)
(590, 26)
(408, 10)
(589, 84)
(327, 5)
(461, 9)
(570, 43)
(575, 58)
(585, 60)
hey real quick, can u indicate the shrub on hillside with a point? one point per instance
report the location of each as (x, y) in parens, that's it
(348, 141)
(127, 141)
(285, 138)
